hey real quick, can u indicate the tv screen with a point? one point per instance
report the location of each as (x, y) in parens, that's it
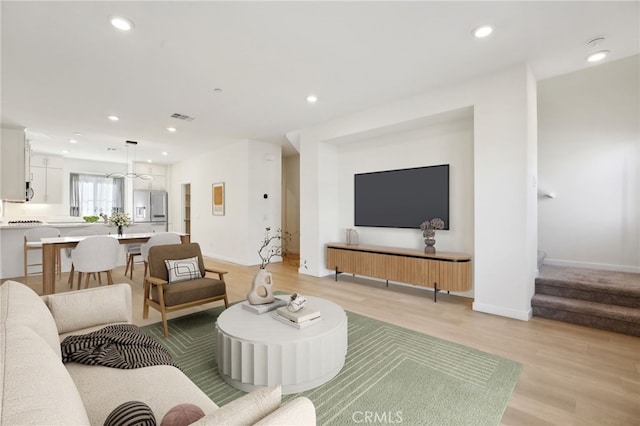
(402, 198)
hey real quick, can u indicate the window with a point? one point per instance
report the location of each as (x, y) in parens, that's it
(94, 194)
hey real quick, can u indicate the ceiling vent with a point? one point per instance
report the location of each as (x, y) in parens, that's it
(182, 117)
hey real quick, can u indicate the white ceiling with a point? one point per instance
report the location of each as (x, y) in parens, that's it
(65, 69)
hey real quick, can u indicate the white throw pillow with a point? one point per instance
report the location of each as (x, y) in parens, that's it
(183, 269)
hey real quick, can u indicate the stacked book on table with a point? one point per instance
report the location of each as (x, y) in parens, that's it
(299, 319)
(265, 307)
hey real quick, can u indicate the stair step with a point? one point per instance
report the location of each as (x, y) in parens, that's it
(610, 294)
(621, 319)
(609, 287)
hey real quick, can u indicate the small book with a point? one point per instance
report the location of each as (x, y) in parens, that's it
(298, 325)
(304, 314)
(266, 307)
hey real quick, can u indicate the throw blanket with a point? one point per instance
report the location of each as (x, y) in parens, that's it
(117, 346)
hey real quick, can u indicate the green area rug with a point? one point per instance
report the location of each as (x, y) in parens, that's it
(391, 375)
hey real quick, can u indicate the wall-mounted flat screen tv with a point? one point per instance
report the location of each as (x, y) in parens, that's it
(402, 198)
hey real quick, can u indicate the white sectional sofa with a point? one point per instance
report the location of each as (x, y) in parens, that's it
(36, 388)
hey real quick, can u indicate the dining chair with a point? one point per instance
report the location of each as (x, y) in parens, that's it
(161, 238)
(95, 254)
(86, 231)
(32, 242)
(133, 250)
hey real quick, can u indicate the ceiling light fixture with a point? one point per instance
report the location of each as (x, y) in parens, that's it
(123, 24)
(482, 31)
(171, 129)
(73, 141)
(312, 99)
(130, 166)
(113, 118)
(165, 153)
(597, 56)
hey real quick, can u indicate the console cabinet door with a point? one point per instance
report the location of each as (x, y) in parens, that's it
(455, 276)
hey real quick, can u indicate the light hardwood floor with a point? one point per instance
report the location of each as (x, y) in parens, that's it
(572, 375)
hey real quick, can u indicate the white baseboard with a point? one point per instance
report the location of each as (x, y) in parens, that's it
(590, 265)
(502, 311)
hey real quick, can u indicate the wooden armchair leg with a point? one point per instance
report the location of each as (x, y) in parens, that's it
(145, 304)
(163, 311)
(109, 278)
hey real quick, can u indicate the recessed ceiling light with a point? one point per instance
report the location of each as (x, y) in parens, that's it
(165, 153)
(64, 151)
(149, 161)
(123, 24)
(312, 99)
(73, 141)
(113, 118)
(482, 31)
(171, 129)
(77, 134)
(597, 56)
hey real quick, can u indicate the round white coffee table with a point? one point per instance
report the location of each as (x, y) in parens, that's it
(258, 350)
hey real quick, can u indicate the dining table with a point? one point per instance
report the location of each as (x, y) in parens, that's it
(51, 246)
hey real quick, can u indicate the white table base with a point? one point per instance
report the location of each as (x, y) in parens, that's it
(299, 360)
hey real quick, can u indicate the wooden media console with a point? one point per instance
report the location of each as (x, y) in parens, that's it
(441, 270)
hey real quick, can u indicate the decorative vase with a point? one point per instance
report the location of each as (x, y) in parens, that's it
(261, 291)
(429, 245)
(119, 230)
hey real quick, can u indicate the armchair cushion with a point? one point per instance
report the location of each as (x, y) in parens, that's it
(183, 269)
(188, 291)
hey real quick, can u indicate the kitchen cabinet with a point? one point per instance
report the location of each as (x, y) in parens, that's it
(156, 171)
(47, 179)
(14, 157)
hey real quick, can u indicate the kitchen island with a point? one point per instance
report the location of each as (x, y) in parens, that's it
(12, 242)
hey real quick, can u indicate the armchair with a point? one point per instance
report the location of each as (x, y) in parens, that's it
(190, 287)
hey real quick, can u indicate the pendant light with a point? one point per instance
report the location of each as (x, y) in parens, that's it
(130, 166)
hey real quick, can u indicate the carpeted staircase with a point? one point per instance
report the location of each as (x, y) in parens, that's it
(594, 298)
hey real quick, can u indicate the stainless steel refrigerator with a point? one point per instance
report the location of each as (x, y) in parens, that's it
(150, 207)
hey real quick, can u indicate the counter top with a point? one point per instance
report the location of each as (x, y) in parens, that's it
(6, 225)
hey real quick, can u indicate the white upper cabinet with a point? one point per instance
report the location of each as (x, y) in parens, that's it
(13, 156)
(156, 171)
(46, 178)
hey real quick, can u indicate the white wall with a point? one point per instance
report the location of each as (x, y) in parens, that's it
(247, 174)
(589, 149)
(444, 143)
(291, 200)
(504, 182)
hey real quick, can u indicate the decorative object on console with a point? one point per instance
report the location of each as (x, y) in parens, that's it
(296, 302)
(272, 245)
(120, 219)
(428, 228)
(352, 237)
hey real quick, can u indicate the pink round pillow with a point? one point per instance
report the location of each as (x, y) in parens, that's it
(182, 415)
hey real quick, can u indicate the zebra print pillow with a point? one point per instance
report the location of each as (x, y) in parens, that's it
(183, 269)
(131, 413)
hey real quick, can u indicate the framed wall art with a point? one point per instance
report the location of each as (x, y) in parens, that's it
(217, 198)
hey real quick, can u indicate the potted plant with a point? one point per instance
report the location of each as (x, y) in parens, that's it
(273, 245)
(120, 219)
(428, 228)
